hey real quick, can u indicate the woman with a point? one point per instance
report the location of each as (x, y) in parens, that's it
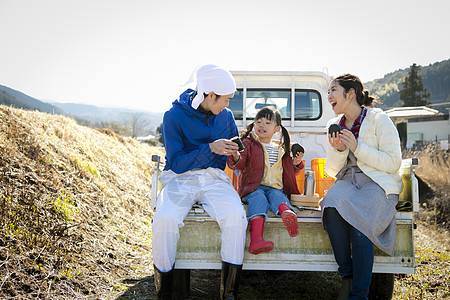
(359, 209)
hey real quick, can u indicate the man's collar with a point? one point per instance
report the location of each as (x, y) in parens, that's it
(204, 111)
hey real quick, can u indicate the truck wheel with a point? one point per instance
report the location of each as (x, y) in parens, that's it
(181, 284)
(382, 286)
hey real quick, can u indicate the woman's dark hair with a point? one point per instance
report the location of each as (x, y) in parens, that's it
(270, 113)
(349, 81)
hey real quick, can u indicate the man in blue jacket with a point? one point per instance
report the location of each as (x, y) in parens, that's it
(196, 134)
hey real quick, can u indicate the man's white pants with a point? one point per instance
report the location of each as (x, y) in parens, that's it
(212, 189)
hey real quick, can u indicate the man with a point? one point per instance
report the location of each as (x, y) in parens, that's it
(196, 134)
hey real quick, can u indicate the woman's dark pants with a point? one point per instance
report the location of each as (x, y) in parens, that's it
(354, 262)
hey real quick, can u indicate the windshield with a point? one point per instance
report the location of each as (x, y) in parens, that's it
(307, 104)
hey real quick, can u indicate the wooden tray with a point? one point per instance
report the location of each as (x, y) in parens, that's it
(303, 200)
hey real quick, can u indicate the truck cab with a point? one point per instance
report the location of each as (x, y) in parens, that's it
(301, 98)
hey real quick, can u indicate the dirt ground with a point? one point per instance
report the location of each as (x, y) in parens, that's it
(431, 281)
(254, 285)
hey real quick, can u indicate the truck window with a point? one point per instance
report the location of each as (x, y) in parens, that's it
(237, 103)
(307, 105)
(258, 98)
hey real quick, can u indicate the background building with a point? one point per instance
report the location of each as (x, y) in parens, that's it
(420, 125)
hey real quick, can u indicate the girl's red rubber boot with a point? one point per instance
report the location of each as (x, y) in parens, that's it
(289, 219)
(257, 242)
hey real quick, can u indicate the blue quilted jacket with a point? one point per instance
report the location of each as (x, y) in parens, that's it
(186, 135)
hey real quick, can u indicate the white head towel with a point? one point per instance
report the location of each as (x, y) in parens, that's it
(210, 78)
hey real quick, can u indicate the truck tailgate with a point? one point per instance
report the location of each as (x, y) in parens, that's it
(199, 246)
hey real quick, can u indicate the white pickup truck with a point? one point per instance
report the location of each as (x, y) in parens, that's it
(301, 97)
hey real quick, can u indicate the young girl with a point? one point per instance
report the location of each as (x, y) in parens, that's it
(267, 176)
(359, 208)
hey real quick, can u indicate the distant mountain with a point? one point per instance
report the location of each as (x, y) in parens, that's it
(9, 100)
(27, 102)
(90, 113)
(98, 114)
(435, 78)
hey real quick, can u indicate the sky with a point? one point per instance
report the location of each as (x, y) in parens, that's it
(138, 54)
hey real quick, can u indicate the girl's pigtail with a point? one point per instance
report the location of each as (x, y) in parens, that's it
(286, 141)
(248, 130)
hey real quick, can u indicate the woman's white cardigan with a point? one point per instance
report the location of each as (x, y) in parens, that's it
(378, 152)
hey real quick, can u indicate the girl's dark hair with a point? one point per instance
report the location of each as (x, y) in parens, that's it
(349, 81)
(270, 113)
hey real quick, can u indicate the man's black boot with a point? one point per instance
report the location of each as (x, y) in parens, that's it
(229, 281)
(163, 283)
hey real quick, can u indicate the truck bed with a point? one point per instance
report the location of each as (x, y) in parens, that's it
(199, 245)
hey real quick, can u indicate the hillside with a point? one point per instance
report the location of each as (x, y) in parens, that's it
(75, 208)
(83, 112)
(98, 114)
(435, 78)
(9, 100)
(29, 102)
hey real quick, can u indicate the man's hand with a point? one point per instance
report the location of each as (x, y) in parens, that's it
(224, 147)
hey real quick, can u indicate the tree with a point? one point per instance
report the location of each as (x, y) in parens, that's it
(159, 135)
(413, 93)
(138, 123)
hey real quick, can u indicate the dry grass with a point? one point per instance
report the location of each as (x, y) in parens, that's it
(432, 277)
(434, 165)
(434, 168)
(432, 237)
(75, 215)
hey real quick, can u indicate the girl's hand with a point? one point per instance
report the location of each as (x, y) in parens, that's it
(297, 159)
(236, 156)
